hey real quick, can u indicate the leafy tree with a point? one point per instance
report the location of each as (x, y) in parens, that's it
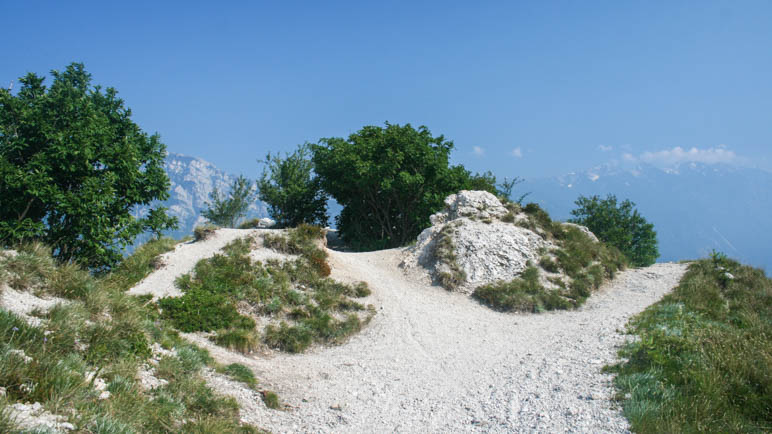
(619, 225)
(73, 166)
(389, 181)
(293, 193)
(226, 211)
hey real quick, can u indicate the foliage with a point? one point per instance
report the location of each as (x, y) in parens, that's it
(103, 332)
(200, 310)
(241, 373)
(701, 363)
(73, 166)
(451, 275)
(271, 399)
(524, 294)
(619, 225)
(202, 233)
(226, 211)
(389, 181)
(293, 194)
(144, 260)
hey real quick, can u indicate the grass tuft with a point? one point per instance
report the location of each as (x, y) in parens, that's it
(271, 400)
(241, 373)
(201, 233)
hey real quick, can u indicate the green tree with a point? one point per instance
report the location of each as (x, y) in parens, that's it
(226, 211)
(619, 225)
(73, 166)
(293, 193)
(389, 181)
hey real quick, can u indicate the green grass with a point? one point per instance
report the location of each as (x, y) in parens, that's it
(302, 304)
(524, 294)
(201, 233)
(585, 263)
(142, 262)
(703, 359)
(452, 275)
(102, 329)
(271, 400)
(240, 373)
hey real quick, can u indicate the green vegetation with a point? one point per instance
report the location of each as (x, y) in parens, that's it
(389, 181)
(241, 373)
(702, 363)
(620, 226)
(201, 233)
(451, 275)
(271, 400)
(293, 194)
(73, 166)
(227, 211)
(102, 332)
(585, 263)
(304, 306)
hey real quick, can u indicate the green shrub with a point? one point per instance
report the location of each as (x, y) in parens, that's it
(620, 226)
(524, 294)
(200, 310)
(271, 399)
(293, 339)
(250, 224)
(241, 373)
(240, 340)
(201, 233)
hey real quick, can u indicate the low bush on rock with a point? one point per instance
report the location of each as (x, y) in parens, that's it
(702, 360)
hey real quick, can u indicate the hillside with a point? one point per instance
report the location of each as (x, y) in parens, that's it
(246, 329)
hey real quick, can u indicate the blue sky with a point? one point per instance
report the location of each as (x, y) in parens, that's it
(522, 88)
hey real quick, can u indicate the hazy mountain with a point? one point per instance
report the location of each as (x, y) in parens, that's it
(694, 207)
(192, 180)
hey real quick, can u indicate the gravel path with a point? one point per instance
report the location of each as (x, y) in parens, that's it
(434, 361)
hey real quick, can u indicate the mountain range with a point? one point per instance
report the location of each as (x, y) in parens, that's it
(192, 180)
(695, 208)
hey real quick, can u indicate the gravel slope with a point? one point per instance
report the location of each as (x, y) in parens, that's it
(434, 361)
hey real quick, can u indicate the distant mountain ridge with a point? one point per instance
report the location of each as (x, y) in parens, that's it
(695, 207)
(192, 180)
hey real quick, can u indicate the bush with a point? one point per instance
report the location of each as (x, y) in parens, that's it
(226, 211)
(241, 373)
(293, 193)
(73, 167)
(619, 225)
(200, 310)
(202, 233)
(389, 181)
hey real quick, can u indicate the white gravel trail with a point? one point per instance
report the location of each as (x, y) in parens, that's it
(434, 361)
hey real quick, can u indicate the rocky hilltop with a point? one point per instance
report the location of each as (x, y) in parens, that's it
(476, 240)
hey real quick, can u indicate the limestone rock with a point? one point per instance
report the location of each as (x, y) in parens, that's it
(477, 204)
(485, 248)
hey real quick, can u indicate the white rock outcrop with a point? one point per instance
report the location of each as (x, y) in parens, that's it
(486, 249)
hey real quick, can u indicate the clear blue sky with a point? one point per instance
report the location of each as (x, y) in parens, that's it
(522, 88)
